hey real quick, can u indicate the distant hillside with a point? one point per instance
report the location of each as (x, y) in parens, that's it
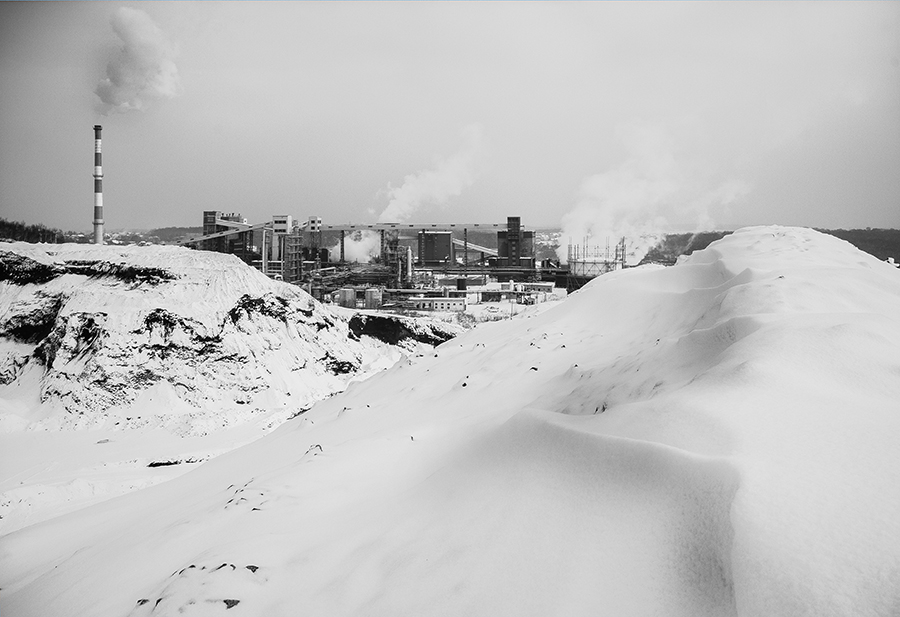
(172, 234)
(23, 232)
(674, 245)
(880, 243)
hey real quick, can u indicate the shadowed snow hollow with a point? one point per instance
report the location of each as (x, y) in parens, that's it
(715, 438)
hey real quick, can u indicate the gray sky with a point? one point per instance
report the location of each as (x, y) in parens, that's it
(596, 116)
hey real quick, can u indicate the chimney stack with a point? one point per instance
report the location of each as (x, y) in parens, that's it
(98, 187)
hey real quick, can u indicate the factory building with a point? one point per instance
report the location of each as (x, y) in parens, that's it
(438, 304)
(515, 246)
(346, 297)
(303, 249)
(373, 298)
(435, 248)
(272, 246)
(282, 225)
(587, 262)
(295, 252)
(349, 297)
(239, 244)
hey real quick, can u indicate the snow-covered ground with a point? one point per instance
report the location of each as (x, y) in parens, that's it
(158, 358)
(715, 438)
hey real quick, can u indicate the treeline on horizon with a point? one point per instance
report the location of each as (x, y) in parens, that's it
(14, 230)
(22, 232)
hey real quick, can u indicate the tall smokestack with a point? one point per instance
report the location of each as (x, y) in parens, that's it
(98, 187)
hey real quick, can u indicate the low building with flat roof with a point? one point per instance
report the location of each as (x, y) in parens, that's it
(438, 304)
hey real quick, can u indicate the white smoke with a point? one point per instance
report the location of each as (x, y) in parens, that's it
(644, 196)
(436, 186)
(143, 70)
(360, 246)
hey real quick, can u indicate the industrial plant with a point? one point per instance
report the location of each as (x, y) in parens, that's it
(424, 266)
(413, 261)
(420, 266)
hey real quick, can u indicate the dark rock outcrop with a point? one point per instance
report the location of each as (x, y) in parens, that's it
(21, 270)
(396, 330)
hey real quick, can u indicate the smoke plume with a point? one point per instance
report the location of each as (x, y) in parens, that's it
(435, 186)
(143, 70)
(360, 246)
(653, 190)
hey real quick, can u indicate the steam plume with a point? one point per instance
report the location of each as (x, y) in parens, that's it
(435, 186)
(642, 197)
(143, 70)
(361, 246)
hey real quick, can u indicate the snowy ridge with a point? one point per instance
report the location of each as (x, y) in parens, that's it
(715, 438)
(164, 336)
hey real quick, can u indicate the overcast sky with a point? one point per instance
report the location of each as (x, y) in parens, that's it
(595, 116)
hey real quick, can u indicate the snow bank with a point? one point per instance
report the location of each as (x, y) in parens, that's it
(715, 438)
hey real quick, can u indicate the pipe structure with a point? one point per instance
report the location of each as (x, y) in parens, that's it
(465, 248)
(98, 187)
(265, 253)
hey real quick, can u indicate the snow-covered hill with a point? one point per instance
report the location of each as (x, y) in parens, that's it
(715, 438)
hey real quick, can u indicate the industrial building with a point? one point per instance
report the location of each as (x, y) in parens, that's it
(435, 248)
(515, 246)
(413, 258)
(294, 252)
(284, 240)
(587, 262)
(302, 249)
(438, 304)
(227, 233)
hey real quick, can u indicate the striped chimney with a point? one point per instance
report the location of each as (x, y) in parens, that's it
(98, 187)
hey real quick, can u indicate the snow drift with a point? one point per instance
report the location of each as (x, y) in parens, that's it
(714, 438)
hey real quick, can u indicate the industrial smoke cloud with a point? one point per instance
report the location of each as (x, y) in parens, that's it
(652, 190)
(360, 246)
(436, 186)
(431, 187)
(143, 70)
